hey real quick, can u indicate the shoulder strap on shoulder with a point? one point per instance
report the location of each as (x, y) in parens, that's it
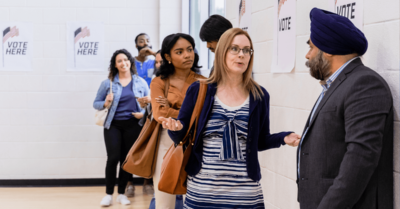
(110, 86)
(197, 110)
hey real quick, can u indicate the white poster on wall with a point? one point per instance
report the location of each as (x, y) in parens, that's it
(86, 46)
(244, 18)
(17, 43)
(284, 55)
(352, 9)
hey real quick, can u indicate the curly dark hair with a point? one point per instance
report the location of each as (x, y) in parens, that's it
(167, 69)
(113, 70)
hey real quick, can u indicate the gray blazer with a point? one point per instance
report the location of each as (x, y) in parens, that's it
(346, 159)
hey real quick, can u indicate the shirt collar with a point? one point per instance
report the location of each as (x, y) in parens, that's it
(116, 78)
(327, 84)
(145, 60)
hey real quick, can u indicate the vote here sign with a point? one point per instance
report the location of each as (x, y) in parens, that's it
(86, 46)
(16, 46)
(284, 55)
(352, 9)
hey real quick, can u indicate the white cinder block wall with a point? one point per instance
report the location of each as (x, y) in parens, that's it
(46, 115)
(293, 95)
(47, 126)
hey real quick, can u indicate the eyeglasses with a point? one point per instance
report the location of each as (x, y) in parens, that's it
(236, 50)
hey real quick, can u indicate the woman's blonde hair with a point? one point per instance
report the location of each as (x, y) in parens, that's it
(220, 72)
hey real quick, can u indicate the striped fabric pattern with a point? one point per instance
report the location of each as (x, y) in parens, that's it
(223, 182)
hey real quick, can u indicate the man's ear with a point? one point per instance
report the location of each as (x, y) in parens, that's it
(136, 46)
(329, 57)
(326, 55)
(167, 57)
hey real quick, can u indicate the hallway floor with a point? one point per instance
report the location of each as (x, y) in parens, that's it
(65, 198)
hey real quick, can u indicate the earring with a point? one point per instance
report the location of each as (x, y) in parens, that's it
(169, 62)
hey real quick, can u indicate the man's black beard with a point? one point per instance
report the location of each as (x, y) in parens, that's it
(319, 67)
(142, 47)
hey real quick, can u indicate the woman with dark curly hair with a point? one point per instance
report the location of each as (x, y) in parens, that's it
(179, 68)
(121, 127)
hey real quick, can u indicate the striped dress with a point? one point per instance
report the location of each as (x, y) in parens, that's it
(223, 181)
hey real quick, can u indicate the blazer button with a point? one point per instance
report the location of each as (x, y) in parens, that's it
(248, 151)
(304, 179)
(305, 153)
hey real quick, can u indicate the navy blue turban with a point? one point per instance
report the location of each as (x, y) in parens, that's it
(335, 34)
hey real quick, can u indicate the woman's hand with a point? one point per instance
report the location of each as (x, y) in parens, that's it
(143, 101)
(109, 100)
(162, 101)
(292, 139)
(137, 115)
(171, 124)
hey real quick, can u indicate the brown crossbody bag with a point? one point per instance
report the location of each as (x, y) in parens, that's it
(142, 157)
(173, 175)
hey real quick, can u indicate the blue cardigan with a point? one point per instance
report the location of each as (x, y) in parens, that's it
(258, 138)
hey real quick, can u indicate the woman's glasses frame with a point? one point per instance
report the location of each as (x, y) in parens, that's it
(246, 50)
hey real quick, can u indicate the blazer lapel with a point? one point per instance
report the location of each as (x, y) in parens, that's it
(328, 93)
(253, 104)
(207, 107)
(308, 120)
(333, 87)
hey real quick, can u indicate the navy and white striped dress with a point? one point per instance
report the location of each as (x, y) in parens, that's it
(223, 181)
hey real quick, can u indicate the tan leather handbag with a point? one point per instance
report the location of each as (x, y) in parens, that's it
(173, 175)
(142, 157)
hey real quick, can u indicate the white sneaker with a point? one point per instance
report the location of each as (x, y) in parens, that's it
(123, 199)
(130, 191)
(106, 201)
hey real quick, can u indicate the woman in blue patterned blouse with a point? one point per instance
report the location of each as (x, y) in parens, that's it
(223, 169)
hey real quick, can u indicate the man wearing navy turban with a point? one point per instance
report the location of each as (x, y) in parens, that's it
(345, 156)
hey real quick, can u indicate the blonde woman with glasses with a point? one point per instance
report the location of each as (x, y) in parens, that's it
(223, 168)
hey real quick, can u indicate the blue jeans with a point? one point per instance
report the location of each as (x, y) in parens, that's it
(178, 203)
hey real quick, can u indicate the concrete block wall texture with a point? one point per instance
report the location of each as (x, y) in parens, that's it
(293, 95)
(47, 126)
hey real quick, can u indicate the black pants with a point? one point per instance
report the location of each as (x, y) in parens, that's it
(119, 140)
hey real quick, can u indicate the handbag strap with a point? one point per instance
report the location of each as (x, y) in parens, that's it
(196, 113)
(110, 87)
(108, 107)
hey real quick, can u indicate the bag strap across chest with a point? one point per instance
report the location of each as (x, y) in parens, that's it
(191, 133)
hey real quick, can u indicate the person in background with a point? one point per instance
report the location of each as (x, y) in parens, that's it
(121, 127)
(223, 168)
(145, 60)
(345, 157)
(212, 29)
(179, 68)
(145, 69)
(145, 101)
(157, 63)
